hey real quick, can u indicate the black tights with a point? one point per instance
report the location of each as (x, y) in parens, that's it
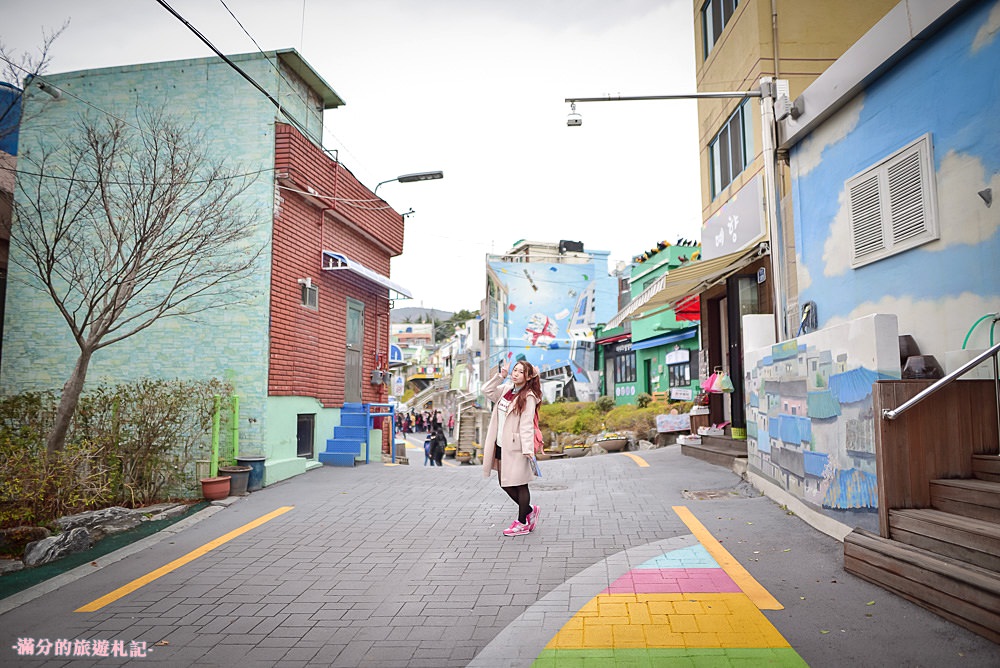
(519, 494)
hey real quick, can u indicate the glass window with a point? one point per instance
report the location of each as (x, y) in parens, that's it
(310, 296)
(625, 368)
(715, 16)
(732, 149)
(680, 374)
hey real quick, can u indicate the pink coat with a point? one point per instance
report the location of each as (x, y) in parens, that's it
(518, 437)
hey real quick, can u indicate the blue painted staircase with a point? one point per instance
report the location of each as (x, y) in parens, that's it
(349, 439)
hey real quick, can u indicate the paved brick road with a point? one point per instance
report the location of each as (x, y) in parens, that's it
(406, 566)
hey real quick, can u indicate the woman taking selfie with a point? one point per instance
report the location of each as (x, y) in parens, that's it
(512, 437)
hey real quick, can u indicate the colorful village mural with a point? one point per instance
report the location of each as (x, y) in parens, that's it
(810, 421)
(551, 311)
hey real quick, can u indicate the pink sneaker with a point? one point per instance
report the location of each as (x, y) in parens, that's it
(516, 529)
(533, 518)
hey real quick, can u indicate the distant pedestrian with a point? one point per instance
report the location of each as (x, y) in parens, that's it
(510, 438)
(451, 425)
(428, 451)
(438, 444)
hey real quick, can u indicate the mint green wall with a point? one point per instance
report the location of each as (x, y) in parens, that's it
(230, 342)
(655, 325)
(282, 430)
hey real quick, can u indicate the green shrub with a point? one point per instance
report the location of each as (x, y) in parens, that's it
(587, 418)
(128, 445)
(605, 403)
(643, 399)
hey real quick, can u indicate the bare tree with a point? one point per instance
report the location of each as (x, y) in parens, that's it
(125, 224)
(20, 68)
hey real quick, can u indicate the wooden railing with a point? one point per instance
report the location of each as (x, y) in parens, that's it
(893, 413)
(936, 439)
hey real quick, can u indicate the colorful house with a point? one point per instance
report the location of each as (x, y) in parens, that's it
(543, 302)
(894, 235)
(659, 354)
(312, 340)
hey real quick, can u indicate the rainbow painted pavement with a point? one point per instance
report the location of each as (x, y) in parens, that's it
(690, 605)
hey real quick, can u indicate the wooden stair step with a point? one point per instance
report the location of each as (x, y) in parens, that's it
(714, 453)
(967, 496)
(986, 467)
(963, 593)
(968, 539)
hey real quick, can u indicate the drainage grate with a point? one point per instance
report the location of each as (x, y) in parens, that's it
(547, 487)
(744, 490)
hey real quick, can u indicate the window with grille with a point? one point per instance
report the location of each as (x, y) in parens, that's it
(310, 296)
(893, 206)
(679, 374)
(625, 368)
(732, 149)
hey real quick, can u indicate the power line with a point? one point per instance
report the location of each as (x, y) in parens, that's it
(326, 129)
(277, 105)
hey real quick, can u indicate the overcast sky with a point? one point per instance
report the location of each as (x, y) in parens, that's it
(471, 87)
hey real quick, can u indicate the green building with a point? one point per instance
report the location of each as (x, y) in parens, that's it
(658, 353)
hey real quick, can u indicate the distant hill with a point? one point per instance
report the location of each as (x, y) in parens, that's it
(418, 314)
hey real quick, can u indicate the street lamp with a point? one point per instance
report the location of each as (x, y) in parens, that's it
(408, 178)
(769, 96)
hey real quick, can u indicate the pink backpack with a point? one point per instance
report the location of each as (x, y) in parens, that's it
(539, 439)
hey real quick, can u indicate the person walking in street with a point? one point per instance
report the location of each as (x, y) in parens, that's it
(438, 443)
(428, 451)
(511, 438)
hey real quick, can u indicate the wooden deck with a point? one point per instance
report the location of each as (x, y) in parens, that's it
(939, 492)
(718, 450)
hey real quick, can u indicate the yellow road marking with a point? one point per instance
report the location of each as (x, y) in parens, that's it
(638, 460)
(177, 563)
(761, 597)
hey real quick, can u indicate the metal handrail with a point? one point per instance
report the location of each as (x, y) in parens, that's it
(389, 411)
(892, 414)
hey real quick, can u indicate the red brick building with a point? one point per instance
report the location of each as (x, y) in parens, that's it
(333, 236)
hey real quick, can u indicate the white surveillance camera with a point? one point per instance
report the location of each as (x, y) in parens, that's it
(574, 120)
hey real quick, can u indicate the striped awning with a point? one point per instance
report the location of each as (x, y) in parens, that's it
(688, 280)
(338, 261)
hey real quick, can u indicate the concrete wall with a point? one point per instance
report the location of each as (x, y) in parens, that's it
(229, 343)
(810, 432)
(811, 35)
(947, 88)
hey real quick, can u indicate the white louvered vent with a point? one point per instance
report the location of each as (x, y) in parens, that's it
(866, 217)
(893, 204)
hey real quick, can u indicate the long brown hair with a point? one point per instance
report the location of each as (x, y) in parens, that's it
(532, 383)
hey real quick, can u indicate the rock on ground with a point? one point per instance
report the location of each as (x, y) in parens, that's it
(56, 547)
(101, 523)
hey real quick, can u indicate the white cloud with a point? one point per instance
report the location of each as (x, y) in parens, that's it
(804, 277)
(834, 129)
(837, 249)
(964, 217)
(937, 325)
(988, 30)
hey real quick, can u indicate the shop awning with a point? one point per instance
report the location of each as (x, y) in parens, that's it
(637, 303)
(691, 279)
(333, 261)
(673, 337)
(612, 339)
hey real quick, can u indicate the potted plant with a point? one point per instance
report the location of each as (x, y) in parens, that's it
(215, 488)
(240, 477)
